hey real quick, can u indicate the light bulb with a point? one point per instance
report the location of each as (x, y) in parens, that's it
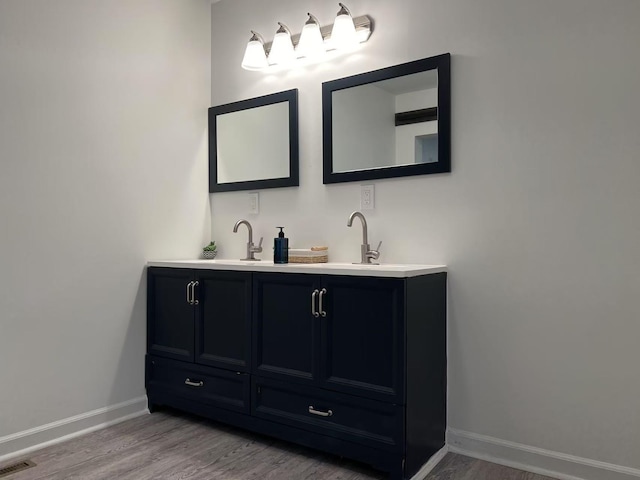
(311, 44)
(255, 58)
(343, 34)
(282, 52)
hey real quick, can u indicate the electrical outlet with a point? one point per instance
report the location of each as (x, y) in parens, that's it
(367, 197)
(254, 203)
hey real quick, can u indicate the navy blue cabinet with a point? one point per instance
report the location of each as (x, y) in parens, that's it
(201, 316)
(211, 386)
(352, 365)
(223, 319)
(356, 419)
(198, 337)
(344, 333)
(170, 329)
(285, 331)
(362, 336)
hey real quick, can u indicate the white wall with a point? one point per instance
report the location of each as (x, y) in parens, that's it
(103, 165)
(406, 102)
(538, 220)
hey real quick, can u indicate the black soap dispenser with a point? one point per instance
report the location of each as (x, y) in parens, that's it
(281, 248)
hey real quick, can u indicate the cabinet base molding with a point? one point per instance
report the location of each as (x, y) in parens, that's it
(27, 441)
(533, 459)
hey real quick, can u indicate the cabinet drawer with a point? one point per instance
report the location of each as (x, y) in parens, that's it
(347, 417)
(213, 386)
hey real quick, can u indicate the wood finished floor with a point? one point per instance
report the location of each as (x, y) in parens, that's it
(170, 445)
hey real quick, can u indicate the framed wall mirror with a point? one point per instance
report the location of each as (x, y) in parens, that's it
(253, 143)
(392, 122)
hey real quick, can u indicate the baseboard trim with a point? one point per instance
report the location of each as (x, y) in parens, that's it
(27, 441)
(536, 460)
(430, 465)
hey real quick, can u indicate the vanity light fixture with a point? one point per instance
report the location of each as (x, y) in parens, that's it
(311, 45)
(255, 56)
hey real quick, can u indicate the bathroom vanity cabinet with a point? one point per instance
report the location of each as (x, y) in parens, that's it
(353, 364)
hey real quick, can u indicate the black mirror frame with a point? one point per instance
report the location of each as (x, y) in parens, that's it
(441, 63)
(292, 180)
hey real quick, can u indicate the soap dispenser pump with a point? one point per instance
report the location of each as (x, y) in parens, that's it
(281, 248)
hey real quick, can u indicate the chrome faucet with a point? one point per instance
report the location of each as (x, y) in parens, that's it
(365, 249)
(251, 249)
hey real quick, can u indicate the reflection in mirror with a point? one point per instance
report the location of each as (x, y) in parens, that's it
(248, 137)
(373, 111)
(388, 123)
(254, 143)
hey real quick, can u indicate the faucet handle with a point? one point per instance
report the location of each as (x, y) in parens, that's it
(374, 254)
(258, 249)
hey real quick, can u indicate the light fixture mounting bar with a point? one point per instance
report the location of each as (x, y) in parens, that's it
(363, 24)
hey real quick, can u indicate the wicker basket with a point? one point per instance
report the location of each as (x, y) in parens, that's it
(320, 259)
(305, 255)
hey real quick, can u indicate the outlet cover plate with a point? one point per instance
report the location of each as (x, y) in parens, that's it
(367, 197)
(254, 203)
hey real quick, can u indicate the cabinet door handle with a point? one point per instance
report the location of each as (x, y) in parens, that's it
(320, 413)
(193, 384)
(322, 293)
(313, 303)
(194, 301)
(189, 301)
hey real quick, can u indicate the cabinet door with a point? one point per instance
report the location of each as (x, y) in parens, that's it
(362, 346)
(285, 329)
(169, 314)
(223, 319)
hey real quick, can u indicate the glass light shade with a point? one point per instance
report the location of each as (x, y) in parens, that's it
(343, 34)
(282, 52)
(255, 57)
(311, 44)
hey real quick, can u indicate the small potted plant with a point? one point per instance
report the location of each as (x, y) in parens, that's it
(210, 251)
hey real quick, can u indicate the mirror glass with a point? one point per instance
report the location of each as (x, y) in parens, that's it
(245, 139)
(254, 143)
(388, 123)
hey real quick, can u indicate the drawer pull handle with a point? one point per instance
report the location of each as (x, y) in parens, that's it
(314, 312)
(193, 384)
(320, 413)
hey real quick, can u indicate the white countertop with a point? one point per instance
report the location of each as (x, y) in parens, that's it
(331, 268)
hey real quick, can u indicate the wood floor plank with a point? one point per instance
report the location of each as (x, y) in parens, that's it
(173, 446)
(156, 457)
(451, 467)
(121, 457)
(460, 467)
(90, 447)
(184, 460)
